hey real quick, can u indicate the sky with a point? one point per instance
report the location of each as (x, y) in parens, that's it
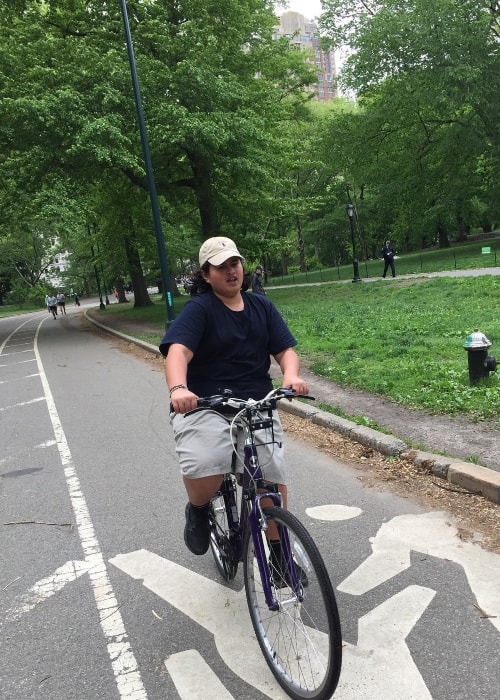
(309, 8)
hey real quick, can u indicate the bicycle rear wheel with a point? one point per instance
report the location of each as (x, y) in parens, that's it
(223, 542)
(301, 641)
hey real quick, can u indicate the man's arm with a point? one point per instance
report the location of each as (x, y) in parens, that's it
(176, 363)
(289, 363)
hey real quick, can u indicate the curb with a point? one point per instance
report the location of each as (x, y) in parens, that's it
(471, 477)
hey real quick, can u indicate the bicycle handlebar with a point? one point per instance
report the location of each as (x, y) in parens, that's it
(269, 401)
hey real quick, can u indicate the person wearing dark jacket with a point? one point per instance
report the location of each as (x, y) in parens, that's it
(257, 287)
(388, 254)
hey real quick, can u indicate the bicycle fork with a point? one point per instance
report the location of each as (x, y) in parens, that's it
(255, 520)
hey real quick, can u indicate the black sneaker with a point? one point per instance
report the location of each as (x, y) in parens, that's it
(197, 529)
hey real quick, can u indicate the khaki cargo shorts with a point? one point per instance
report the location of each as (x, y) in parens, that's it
(204, 446)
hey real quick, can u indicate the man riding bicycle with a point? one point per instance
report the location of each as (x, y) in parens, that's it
(223, 339)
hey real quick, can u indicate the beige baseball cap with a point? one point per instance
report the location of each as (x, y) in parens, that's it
(217, 250)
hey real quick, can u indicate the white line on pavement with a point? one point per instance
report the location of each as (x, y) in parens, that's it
(193, 677)
(123, 662)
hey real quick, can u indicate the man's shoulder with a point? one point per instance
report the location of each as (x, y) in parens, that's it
(259, 300)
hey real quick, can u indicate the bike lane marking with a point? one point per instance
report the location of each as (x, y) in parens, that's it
(123, 662)
(47, 587)
(220, 610)
(372, 670)
(193, 678)
(22, 403)
(434, 535)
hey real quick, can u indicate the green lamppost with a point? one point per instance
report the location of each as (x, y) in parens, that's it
(160, 241)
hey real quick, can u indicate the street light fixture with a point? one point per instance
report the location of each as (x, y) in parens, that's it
(355, 264)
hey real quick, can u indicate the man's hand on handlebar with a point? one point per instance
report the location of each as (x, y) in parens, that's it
(296, 383)
(183, 400)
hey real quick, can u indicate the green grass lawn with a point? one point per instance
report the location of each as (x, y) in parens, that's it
(402, 339)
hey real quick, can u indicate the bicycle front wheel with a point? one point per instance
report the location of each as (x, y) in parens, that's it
(301, 640)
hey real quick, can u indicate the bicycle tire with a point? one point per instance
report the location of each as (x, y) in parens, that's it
(301, 641)
(221, 539)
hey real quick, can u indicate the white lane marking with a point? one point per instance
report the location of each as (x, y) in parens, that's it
(374, 668)
(19, 379)
(41, 446)
(193, 677)
(333, 512)
(16, 352)
(22, 403)
(17, 345)
(432, 534)
(47, 587)
(123, 661)
(21, 362)
(16, 330)
(218, 609)
(380, 666)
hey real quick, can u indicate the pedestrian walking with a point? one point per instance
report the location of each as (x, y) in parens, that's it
(52, 304)
(257, 287)
(61, 302)
(388, 254)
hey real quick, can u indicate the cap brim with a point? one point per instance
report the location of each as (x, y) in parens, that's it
(225, 255)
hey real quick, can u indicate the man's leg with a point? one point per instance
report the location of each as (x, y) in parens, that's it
(196, 531)
(201, 490)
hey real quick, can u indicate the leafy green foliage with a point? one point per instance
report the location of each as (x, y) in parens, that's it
(425, 143)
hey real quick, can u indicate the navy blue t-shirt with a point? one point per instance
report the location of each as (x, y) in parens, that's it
(231, 349)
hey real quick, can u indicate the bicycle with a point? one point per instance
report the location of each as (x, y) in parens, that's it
(290, 598)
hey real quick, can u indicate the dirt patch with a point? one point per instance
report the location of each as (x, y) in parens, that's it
(477, 518)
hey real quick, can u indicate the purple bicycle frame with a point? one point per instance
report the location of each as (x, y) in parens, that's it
(251, 518)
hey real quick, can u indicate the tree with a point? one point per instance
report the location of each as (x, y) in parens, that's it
(218, 93)
(426, 76)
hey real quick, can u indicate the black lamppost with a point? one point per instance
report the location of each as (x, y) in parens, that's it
(160, 241)
(355, 264)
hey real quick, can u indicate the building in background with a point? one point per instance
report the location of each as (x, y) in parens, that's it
(304, 35)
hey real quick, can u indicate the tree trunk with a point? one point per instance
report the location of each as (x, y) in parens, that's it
(300, 245)
(141, 294)
(461, 228)
(120, 291)
(202, 174)
(442, 236)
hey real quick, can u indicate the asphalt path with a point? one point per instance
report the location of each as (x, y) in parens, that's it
(101, 599)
